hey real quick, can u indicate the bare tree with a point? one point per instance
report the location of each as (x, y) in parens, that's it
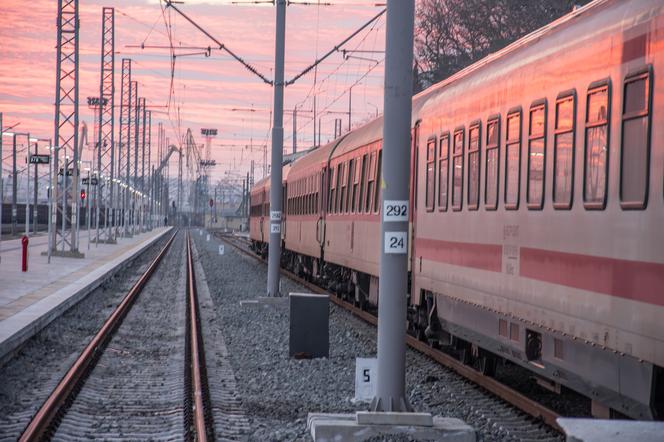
(452, 34)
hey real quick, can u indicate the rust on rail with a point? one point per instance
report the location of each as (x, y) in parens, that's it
(40, 424)
(196, 372)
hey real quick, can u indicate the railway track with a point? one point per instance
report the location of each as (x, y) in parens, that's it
(506, 393)
(142, 375)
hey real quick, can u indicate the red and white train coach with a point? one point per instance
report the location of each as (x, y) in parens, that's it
(537, 229)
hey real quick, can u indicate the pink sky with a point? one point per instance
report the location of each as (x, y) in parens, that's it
(206, 89)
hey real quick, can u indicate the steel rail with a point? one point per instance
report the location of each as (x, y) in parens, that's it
(490, 384)
(196, 366)
(43, 421)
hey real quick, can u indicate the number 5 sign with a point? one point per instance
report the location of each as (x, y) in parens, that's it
(365, 378)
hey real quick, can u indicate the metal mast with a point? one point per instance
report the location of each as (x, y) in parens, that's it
(66, 127)
(136, 125)
(140, 147)
(390, 388)
(142, 186)
(125, 139)
(274, 256)
(106, 138)
(150, 169)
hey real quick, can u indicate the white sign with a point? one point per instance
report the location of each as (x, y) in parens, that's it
(365, 378)
(396, 242)
(207, 237)
(395, 210)
(275, 228)
(221, 249)
(275, 215)
(200, 232)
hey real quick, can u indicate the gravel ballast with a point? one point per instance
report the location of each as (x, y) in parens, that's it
(32, 373)
(278, 392)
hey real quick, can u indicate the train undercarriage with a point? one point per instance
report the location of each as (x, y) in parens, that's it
(623, 386)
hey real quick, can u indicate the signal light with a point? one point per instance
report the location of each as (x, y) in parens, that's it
(82, 195)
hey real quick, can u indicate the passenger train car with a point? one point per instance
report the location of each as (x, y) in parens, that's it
(537, 229)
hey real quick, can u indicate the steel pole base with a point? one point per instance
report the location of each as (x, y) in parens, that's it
(391, 405)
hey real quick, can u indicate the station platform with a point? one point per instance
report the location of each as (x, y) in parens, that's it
(30, 300)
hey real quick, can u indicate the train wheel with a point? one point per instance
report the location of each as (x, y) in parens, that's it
(488, 365)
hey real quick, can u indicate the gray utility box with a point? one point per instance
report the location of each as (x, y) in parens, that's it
(309, 326)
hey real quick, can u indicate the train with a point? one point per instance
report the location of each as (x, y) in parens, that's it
(536, 234)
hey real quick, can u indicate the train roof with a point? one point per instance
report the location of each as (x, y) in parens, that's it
(504, 58)
(264, 183)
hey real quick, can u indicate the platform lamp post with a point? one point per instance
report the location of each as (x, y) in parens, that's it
(390, 388)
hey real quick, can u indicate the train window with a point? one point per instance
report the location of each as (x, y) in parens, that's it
(371, 183)
(349, 194)
(339, 180)
(457, 165)
(356, 186)
(513, 160)
(492, 161)
(536, 155)
(430, 174)
(443, 170)
(502, 327)
(563, 150)
(635, 150)
(341, 183)
(514, 331)
(595, 167)
(330, 174)
(474, 166)
(376, 203)
(363, 185)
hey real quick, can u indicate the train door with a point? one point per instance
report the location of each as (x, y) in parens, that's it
(412, 221)
(284, 211)
(322, 206)
(260, 222)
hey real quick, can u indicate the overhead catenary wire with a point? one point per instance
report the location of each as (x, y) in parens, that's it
(222, 46)
(336, 48)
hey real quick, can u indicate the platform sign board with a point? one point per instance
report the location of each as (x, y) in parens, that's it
(40, 159)
(365, 378)
(221, 249)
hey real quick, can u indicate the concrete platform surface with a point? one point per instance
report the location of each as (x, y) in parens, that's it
(347, 427)
(30, 300)
(604, 430)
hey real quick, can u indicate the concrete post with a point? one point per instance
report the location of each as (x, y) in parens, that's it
(390, 388)
(274, 257)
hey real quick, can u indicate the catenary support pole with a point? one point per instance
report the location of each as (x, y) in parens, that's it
(274, 257)
(390, 388)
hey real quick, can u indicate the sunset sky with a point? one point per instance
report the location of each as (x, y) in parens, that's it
(212, 92)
